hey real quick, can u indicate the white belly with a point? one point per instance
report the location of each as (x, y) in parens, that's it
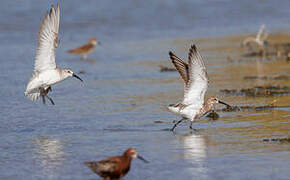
(44, 79)
(191, 111)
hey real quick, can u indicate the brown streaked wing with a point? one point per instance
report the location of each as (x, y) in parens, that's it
(194, 56)
(103, 167)
(198, 79)
(181, 67)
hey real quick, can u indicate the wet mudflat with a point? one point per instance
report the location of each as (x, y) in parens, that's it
(122, 103)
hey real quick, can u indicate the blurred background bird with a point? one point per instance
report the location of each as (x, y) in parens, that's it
(85, 49)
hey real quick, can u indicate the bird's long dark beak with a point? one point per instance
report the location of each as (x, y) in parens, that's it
(77, 77)
(224, 103)
(141, 158)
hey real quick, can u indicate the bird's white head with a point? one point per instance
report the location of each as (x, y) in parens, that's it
(69, 73)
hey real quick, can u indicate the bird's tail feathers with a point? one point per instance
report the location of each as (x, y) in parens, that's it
(33, 96)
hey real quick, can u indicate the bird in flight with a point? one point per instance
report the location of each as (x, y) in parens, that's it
(196, 82)
(46, 73)
(260, 39)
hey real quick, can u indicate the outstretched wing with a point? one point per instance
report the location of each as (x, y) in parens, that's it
(181, 67)
(47, 41)
(198, 80)
(261, 32)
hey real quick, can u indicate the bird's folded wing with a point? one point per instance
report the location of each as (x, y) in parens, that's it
(198, 80)
(103, 167)
(47, 41)
(107, 165)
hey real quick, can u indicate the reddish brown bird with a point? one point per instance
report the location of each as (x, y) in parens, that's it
(86, 49)
(115, 167)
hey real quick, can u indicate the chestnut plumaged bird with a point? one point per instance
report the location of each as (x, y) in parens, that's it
(114, 167)
(85, 49)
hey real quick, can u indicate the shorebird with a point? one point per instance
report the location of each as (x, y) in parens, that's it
(85, 49)
(115, 167)
(195, 86)
(260, 39)
(46, 73)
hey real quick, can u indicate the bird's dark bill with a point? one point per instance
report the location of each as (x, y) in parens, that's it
(224, 103)
(141, 158)
(77, 77)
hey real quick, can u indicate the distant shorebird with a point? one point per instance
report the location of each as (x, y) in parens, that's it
(260, 39)
(46, 73)
(115, 167)
(86, 49)
(195, 85)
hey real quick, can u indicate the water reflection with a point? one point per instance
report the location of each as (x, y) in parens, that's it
(260, 70)
(195, 153)
(49, 154)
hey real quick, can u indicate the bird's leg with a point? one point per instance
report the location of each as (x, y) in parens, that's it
(190, 127)
(42, 93)
(172, 129)
(43, 99)
(50, 100)
(84, 57)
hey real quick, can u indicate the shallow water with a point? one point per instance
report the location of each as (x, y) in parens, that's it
(124, 93)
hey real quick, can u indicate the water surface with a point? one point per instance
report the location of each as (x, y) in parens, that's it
(124, 92)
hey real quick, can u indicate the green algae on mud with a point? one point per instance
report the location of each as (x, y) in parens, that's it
(259, 91)
(278, 77)
(280, 140)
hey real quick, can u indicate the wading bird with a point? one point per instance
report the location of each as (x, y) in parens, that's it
(115, 167)
(260, 39)
(195, 86)
(85, 49)
(46, 73)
